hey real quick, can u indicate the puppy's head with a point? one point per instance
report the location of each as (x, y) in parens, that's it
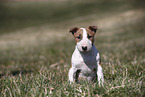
(84, 37)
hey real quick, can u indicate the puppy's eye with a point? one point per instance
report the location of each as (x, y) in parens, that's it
(79, 37)
(89, 36)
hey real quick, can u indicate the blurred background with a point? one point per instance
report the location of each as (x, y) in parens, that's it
(35, 30)
(20, 18)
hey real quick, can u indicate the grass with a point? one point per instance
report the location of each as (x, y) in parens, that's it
(34, 63)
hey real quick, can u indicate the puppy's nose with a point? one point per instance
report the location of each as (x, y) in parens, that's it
(84, 48)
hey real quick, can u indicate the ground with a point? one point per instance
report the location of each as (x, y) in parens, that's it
(36, 47)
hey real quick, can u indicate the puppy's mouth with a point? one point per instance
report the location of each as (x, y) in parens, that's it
(84, 50)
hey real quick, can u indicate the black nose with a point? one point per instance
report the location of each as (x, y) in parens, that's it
(84, 48)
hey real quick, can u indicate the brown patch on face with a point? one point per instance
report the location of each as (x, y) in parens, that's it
(90, 35)
(78, 35)
(91, 30)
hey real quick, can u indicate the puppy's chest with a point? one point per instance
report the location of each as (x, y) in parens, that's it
(86, 63)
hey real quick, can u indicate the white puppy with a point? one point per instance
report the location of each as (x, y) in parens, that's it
(85, 59)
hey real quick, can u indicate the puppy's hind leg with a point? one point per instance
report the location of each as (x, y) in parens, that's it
(76, 75)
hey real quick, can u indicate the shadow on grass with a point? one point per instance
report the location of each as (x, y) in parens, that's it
(17, 72)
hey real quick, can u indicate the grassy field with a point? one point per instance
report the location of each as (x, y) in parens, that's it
(36, 47)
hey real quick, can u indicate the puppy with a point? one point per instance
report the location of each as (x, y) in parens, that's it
(85, 58)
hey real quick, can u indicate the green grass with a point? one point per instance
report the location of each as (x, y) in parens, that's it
(40, 67)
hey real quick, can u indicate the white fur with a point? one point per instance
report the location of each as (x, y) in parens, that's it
(86, 64)
(85, 41)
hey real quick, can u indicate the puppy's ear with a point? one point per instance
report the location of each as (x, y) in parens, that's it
(93, 28)
(74, 30)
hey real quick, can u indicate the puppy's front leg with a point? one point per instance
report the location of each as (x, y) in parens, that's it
(100, 74)
(73, 75)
